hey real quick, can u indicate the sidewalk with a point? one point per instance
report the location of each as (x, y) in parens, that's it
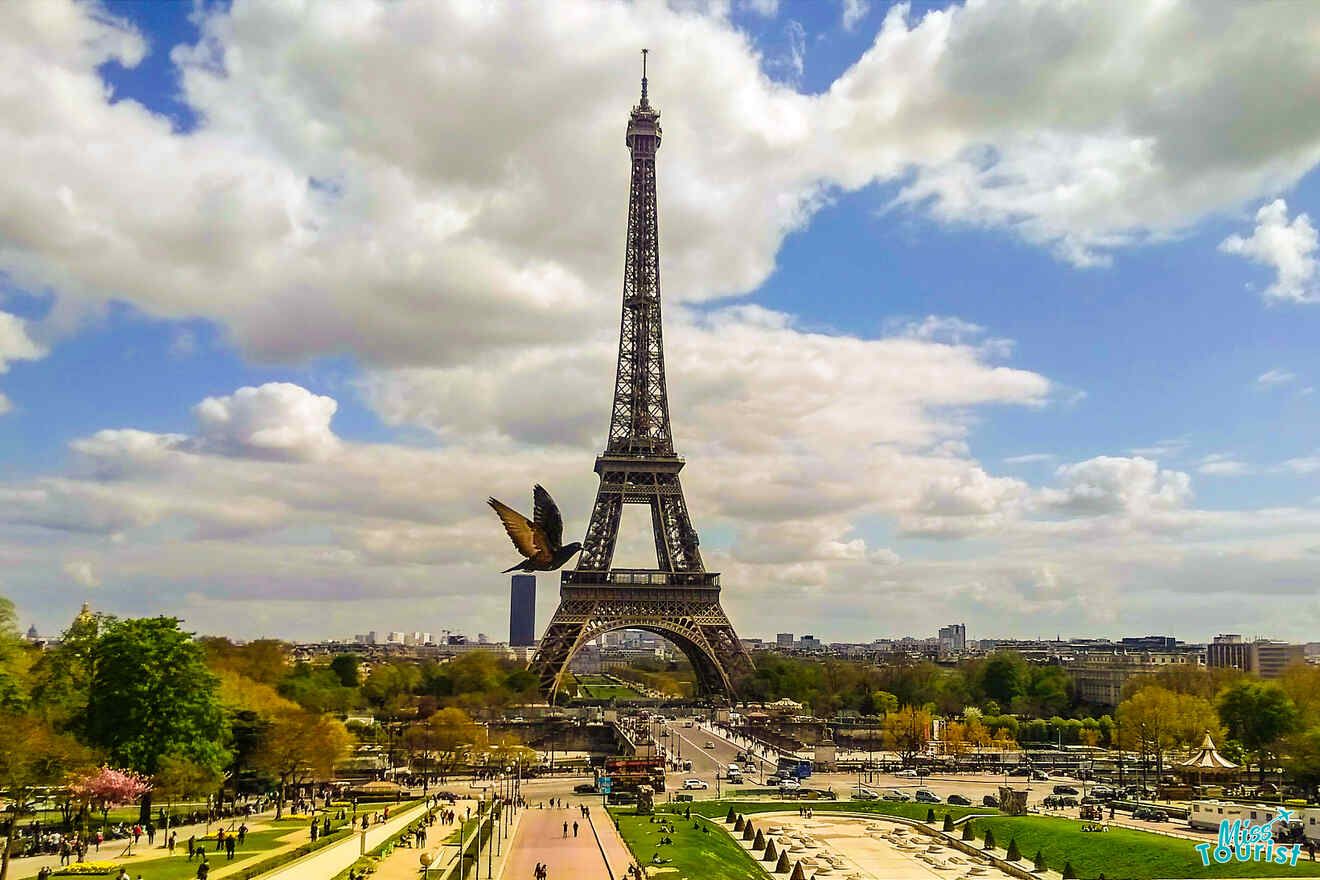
(329, 861)
(540, 839)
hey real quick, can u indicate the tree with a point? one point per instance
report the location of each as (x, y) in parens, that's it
(1259, 714)
(32, 757)
(1303, 758)
(1156, 720)
(348, 668)
(105, 787)
(1005, 676)
(13, 660)
(884, 702)
(948, 822)
(449, 734)
(989, 838)
(908, 730)
(299, 745)
(153, 696)
(1038, 863)
(178, 778)
(61, 680)
(1013, 854)
(968, 833)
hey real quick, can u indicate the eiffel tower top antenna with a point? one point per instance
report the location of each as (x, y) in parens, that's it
(644, 51)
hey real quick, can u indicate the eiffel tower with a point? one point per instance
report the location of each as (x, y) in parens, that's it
(679, 600)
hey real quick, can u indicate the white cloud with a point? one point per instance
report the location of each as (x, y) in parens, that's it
(1109, 485)
(1286, 247)
(15, 345)
(764, 8)
(1271, 378)
(80, 571)
(325, 206)
(1306, 464)
(277, 420)
(1222, 464)
(854, 11)
(1030, 458)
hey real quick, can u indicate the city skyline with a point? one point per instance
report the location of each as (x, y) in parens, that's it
(939, 344)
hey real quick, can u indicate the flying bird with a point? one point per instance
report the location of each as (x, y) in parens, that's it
(537, 538)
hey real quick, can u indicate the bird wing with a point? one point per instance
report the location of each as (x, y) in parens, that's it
(546, 514)
(526, 535)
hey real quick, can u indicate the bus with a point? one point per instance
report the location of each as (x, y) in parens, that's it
(628, 773)
(798, 768)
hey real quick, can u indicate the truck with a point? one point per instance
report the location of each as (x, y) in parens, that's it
(626, 774)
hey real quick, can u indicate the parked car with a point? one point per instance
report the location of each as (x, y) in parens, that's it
(894, 796)
(789, 784)
(1066, 801)
(696, 783)
(708, 745)
(586, 788)
(1103, 792)
(1150, 814)
(906, 774)
(1064, 789)
(926, 796)
(862, 793)
(958, 800)
(990, 801)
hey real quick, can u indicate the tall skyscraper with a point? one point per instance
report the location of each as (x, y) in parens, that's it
(522, 610)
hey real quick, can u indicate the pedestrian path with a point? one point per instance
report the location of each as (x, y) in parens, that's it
(329, 861)
(541, 839)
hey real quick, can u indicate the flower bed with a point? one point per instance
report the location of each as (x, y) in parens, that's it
(89, 869)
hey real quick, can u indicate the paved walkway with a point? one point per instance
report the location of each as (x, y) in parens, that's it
(540, 838)
(330, 860)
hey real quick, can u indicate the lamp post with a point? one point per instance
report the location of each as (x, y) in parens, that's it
(1143, 759)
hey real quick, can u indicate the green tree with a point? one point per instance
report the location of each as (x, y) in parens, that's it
(300, 745)
(1258, 714)
(1005, 677)
(1302, 763)
(884, 702)
(153, 696)
(180, 779)
(61, 680)
(32, 757)
(348, 668)
(13, 660)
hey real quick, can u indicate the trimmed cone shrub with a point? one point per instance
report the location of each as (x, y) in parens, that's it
(1068, 872)
(989, 839)
(782, 866)
(930, 816)
(1038, 863)
(1013, 854)
(798, 873)
(968, 833)
(948, 821)
(759, 841)
(748, 831)
(770, 852)
(739, 823)
(732, 817)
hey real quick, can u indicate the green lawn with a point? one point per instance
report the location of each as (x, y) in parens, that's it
(1122, 852)
(694, 855)
(597, 687)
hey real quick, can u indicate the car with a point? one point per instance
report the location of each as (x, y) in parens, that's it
(1019, 771)
(1089, 801)
(862, 793)
(1064, 789)
(958, 800)
(1065, 801)
(701, 784)
(906, 774)
(894, 795)
(1038, 776)
(708, 745)
(1102, 792)
(926, 796)
(789, 785)
(1150, 814)
(622, 797)
(990, 801)
(586, 788)
(734, 768)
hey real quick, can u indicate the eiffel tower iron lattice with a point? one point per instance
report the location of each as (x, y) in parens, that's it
(679, 600)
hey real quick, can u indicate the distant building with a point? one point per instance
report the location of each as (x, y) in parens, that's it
(810, 643)
(784, 640)
(396, 638)
(1269, 659)
(522, 610)
(1227, 651)
(32, 634)
(953, 638)
(1149, 643)
(1264, 657)
(482, 639)
(1099, 676)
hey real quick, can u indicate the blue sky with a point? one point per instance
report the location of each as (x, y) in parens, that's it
(1156, 351)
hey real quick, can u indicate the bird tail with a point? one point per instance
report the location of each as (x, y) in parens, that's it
(515, 568)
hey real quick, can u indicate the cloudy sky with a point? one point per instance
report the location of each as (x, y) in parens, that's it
(1003, 312)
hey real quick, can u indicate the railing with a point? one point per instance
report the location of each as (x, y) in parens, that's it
(641, 577)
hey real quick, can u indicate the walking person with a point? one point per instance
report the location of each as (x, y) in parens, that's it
(192, 846)
(566, 830)
(229, 847)
(242, 833)
(575, 829)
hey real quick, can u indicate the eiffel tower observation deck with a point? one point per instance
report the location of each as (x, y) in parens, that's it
(678, 599)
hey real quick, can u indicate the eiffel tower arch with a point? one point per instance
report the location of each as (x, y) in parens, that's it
(679, 599)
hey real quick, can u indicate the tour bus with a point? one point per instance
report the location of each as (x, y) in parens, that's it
(799, 768)
(1206, 816)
